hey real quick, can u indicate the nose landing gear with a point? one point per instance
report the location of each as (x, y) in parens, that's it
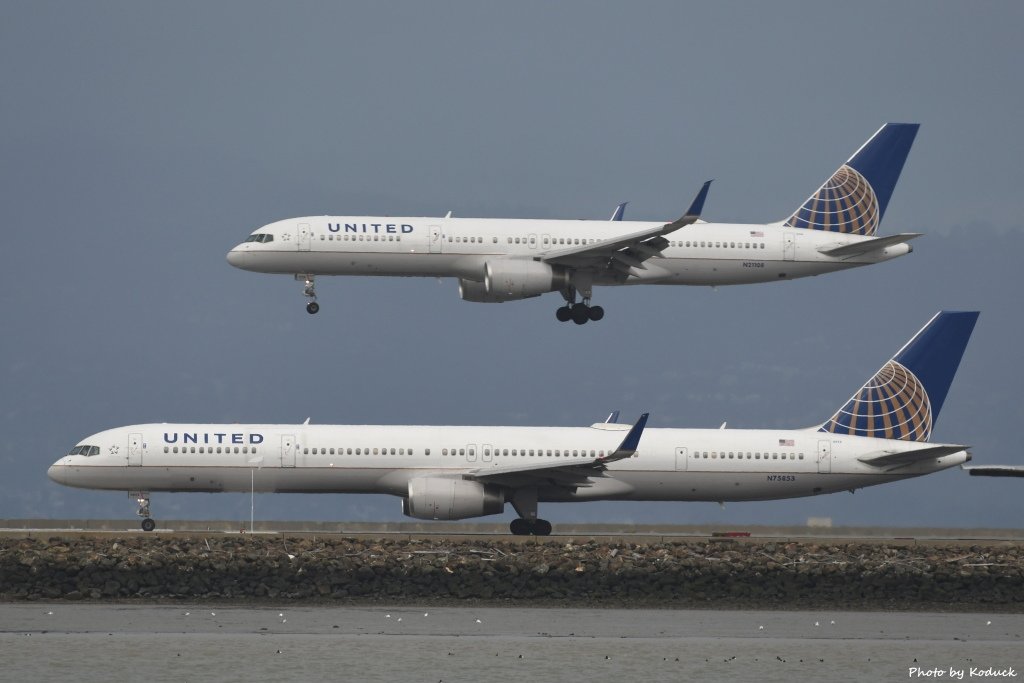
(142, 498)
(309, 290)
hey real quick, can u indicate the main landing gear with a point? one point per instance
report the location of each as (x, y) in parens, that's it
(524, 527)
(578, 312)
(309, 290)
(525, 503)
(142, 498)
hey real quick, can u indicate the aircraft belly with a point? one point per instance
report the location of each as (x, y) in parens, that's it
(720, 486)
(361, 263)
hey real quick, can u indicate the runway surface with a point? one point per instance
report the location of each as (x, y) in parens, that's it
(101, 642)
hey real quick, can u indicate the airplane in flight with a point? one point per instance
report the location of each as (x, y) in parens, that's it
(880, 434)
(996, 470)
(498, 260)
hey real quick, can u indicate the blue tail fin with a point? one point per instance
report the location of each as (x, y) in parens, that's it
(903, 399)
(854, 199)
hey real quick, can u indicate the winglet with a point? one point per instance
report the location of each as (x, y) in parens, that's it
(629, 445)
(612, 418)
(693, 213)
(698, 202)
(619, 210)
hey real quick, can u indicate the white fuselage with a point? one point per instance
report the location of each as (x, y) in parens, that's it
(670, 464)
(698, 254)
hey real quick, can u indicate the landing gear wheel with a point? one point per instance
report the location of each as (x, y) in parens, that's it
(596, 313)
(564, 314)
(519, 527)
(148, 524)
(580, 313)
(312, 307)
(541, 527)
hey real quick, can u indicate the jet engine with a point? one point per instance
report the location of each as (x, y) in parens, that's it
(513, 279)
(441, 498)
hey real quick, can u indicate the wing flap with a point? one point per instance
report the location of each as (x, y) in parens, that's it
(636, 247)
(576, 471)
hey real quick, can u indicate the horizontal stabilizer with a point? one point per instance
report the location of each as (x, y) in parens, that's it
(864, 246)
(909, 457)
(996, 471)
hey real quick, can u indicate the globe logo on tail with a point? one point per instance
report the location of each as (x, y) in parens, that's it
(892, 405)
(845, 203)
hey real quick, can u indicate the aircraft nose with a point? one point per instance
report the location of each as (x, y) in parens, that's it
(237, 258)
(58, 472)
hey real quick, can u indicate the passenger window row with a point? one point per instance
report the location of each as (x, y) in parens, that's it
(361, 451)
(208, 449)
(359, 238)
(731, 455)
(523, 452)
(718, 245)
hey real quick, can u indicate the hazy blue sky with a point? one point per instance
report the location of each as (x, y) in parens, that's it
(140, 141)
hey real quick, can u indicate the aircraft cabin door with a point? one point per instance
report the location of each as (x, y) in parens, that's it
(471, 452)
(824, 457)
(436, 239)
(680, 460)
(134, 450)
(533, 241)
(305, 236)
(288, 450)
(788, 246)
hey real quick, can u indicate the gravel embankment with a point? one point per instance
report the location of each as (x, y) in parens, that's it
(747, 574)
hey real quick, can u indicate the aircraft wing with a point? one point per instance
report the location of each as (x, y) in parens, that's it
(574, 472)
(864, 246)
(628, 251)
(899, 458)
(995, 471)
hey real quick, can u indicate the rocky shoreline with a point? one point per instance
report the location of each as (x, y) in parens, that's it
(747, 574)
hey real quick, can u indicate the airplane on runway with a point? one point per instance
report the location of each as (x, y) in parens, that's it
(498, 260)
(440, 472)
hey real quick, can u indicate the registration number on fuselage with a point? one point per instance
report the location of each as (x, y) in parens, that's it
(753, 264)
(781, 477)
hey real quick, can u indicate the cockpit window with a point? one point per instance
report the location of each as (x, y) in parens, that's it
(85, 450)
(262, 237)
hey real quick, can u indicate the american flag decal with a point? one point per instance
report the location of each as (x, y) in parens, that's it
(786, 442)
(757, 233)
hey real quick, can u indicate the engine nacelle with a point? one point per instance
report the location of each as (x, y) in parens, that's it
(513, 279)
(441, 498)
